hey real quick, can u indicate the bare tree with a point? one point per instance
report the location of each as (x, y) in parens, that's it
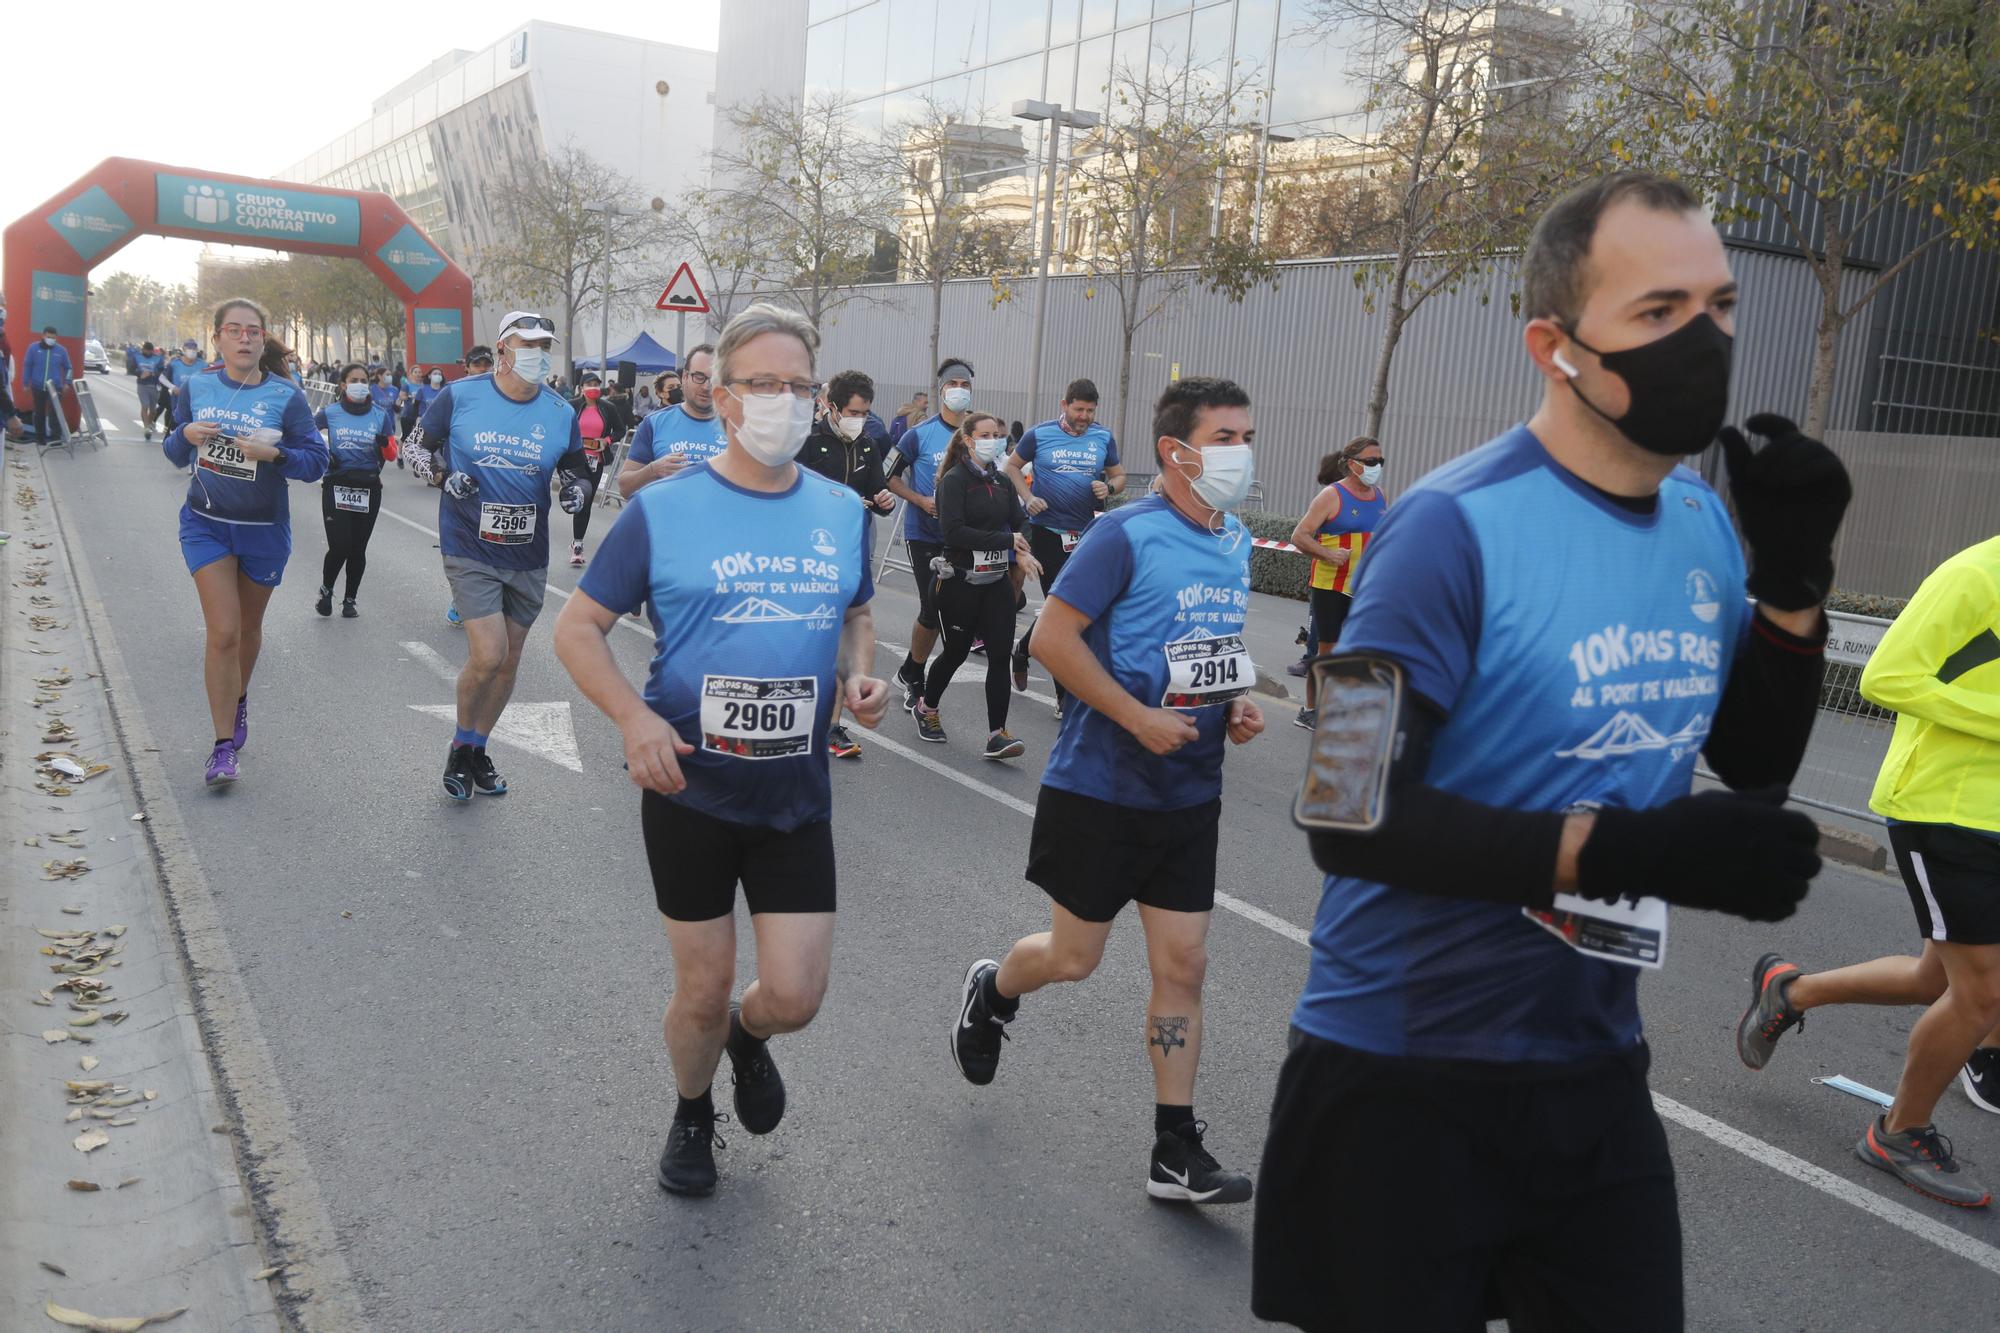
(944, 159)
(723, 245)
(553, 253)
(808, 186)
(1835, 117)
(1141, 195)
(1471, 128)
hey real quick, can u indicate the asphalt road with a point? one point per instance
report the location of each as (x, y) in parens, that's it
(463, 1006)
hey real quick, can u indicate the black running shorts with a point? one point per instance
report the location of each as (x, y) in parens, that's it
(1329, 613)
(921, 555)
(1953, 876)
(697, 861)
(1093, 857)
(1407, 1194)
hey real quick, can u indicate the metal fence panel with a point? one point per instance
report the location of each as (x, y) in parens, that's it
(1306, 351)
(1918, 499)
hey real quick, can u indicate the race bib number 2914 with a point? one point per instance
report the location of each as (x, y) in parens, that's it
(1212, 669)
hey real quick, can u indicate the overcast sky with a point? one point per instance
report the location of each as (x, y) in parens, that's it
(108, 78)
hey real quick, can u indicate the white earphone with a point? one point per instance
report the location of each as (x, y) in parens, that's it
(1562, 364)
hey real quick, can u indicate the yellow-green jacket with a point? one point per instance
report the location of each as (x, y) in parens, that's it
(1938, 668)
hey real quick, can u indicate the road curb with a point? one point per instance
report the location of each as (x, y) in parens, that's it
(314, 1289)
(158, 1216)
(1851, 848)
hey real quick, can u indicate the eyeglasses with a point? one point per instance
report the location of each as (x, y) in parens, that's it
(700, 377)
(529, 322)
(246, 332)
(770, 386)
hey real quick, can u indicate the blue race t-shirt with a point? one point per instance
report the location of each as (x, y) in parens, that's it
(1065, 465)
(149, 365)
(354, 440)
(224, 484)
(1166, 600)
(747, 592)
(923, 446)
(1579, 651)
(672, 431)
(179, 372)
(512, 450)
(384, 396)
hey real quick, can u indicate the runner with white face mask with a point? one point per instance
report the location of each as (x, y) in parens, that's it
(1144, 629)
(754, 571)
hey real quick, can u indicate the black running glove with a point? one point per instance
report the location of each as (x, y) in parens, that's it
(1790, 496)
(1736, 852)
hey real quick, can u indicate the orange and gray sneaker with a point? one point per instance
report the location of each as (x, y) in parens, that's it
(1768, 1016)
(840, 745)
(1920, 1158)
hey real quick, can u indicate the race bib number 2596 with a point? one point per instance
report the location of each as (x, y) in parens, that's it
(507, 525)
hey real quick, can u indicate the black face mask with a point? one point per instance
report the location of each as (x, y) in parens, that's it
(673, 397)
(1679, 386)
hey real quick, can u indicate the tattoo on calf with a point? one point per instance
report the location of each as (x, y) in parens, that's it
(1168, 1033)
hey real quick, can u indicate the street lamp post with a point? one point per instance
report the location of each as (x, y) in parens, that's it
(1264, 142)
(1054, 114)
(610, 211)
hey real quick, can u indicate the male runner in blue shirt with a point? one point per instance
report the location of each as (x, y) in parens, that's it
(1145, 631)
(494, 443)
(685, 432)
(913, 466)
(1546, 634)
(755, 573)
(1076, 467)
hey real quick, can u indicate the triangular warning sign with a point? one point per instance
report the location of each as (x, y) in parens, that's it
(683, 293)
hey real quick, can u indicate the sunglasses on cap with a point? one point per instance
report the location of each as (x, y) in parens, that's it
(529, 322)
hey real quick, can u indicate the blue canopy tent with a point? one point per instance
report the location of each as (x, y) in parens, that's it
(642, 351)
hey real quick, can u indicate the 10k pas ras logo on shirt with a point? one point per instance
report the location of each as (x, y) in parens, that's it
(781, 589)
(1678, 665)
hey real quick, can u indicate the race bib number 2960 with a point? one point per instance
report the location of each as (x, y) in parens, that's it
(751, 718)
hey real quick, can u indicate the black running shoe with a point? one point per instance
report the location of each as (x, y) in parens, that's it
(1020, 666)
(1183, 1172)
(485, 780)
(687, 1166)
(930, 724)
(1981, 1077)
(977, 1032)
(458, 773)
(760, 1093)
(349, 611)
(913, 690)
(325, 603)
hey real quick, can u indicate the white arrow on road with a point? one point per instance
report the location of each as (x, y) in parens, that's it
(540, 729)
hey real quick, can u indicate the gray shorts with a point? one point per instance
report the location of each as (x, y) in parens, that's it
(479, 590)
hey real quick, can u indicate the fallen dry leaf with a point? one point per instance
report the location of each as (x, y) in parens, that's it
(102, 1324)
(90, 1140)
(73, 1116)
(85, 1020)
(272, 1271)
(122, 1121)
(85, 1186)
(129, 1180)
(53, 1268)
(54, 1035)
(152, 1093)
(114, 931)
(89, 1062)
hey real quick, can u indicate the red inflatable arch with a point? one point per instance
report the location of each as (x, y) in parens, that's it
(51, 249)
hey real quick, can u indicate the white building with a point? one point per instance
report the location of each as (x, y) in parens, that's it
(443, 140)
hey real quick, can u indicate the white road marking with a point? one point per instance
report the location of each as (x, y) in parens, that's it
(1025, 694)
(540, 729)
(1895, 1214)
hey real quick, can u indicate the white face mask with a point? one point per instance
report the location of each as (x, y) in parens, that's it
(1227, 472)
(357, 393)
(1371, 473)
(957, 398)
(48, 342)
(774, 428)
(988, 450)
(436, 379)
(850, 428)
(532, 363)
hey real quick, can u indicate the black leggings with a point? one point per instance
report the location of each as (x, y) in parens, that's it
(971, 611)
(579, 522)
(1046, 543)
(347, 533)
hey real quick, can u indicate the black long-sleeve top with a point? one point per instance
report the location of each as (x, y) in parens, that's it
(977, 511)
(856, 463)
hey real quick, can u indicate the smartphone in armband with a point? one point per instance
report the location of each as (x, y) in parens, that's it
(1356, 738)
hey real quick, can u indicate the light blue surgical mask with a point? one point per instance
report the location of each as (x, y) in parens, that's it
(1227, 473)
(532, 363)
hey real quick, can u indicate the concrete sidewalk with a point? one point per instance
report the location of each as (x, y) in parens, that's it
(120, 1193)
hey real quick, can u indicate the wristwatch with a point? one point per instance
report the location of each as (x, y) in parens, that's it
(279, 461)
